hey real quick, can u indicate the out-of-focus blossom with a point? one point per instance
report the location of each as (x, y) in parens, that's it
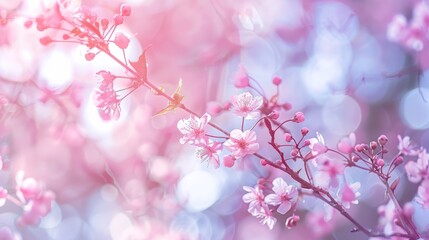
(242, 143)
(7, 234)
(3, 196)
(388, 217)
(406, 147)
(317, 145)
(27, 188)
(37, 201)
(423, 194)
(107, 102)
(349, 194)
(246, 105)
(419, 170)
(283, 195)
(255, 198)
(328, 171)
(208, 150)
(319, 224)
(241, 78)
(193, 128)
(347, 144)
(37, 208)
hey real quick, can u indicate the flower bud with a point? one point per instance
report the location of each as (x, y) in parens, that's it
(373, 145)
(382, 140)
(292, 221)
(307, 142)
(288, 137)
(274, 115)
(294, 152)
(125, 10)
(118, 19)
(277, 80)
(228, 161)
(304, 131)
(264, 162)
(380, 162)
(299, 117)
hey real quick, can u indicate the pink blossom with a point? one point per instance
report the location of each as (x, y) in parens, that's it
(406, 147)
(7, 234)
(107, 102)
(246, 105)
(419, 170)
(3, 196)
(27, 188)
(193, 128)
(283, 195)
(349, 194)
(423, 194)
(125, 10)
(241, 78)
(37, 208)
(319, 223)
(317, 145)
(299, 117)
(267, 217)
(388, 217)
(208, 150)
(347, 144)
(121, 40)
(242, 143)
(255, 198)
(328, 172)
(397, 28)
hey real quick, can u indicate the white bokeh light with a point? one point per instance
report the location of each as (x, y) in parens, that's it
(415, 108)
(198, 190)
(341, 114)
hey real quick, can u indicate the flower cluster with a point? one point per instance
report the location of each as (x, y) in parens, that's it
(412, 34)
(35, 201)
(240, 143)
(283, 198)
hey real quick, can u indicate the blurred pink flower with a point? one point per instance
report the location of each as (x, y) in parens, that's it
(347, 144)
(37, 208)
(283, 195)
(121, 40)
(3, 196)
(349, 194)
(246, 105)
(328, 172)
(423, 194)
(317, 145)
(107, 102)
(419, 170)
(193, 128)
(255, 198)
(241, 78)
(319, 223)
(242, 143)
(27, 188)
(406, 147)
(7, 234)
(208, 151)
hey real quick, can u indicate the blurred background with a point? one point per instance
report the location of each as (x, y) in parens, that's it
(131, 179)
